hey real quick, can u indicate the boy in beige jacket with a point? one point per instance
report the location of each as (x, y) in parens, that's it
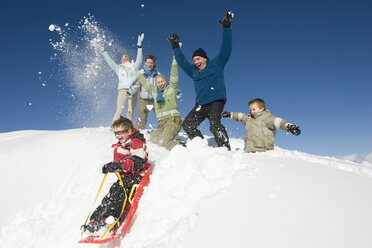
(260, 126)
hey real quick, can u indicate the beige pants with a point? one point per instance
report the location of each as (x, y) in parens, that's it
(143, 111)
(166, 131)
(122, 100)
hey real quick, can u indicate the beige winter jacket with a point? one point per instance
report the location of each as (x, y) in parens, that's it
(260, 130)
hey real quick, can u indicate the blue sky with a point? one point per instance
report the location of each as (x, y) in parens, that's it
(311, 61)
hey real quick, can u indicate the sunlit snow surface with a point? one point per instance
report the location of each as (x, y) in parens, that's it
(199, 196)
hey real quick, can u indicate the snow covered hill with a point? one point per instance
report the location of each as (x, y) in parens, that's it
(199, 196)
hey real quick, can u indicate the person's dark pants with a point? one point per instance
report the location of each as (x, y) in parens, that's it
(112, 203)
(199, 113)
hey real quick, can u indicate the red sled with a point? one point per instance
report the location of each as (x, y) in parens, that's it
(121, 231)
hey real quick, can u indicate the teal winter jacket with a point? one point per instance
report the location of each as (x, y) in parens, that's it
(209, 83)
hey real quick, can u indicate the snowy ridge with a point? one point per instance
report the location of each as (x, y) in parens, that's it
(359, 168)
(53, 176)
(359, 158)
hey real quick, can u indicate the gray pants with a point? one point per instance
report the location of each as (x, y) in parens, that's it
(122, 100)
(143, 111)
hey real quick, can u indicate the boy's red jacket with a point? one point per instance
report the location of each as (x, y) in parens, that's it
(132, 155)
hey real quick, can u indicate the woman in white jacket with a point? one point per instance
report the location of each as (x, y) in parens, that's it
(126, 76)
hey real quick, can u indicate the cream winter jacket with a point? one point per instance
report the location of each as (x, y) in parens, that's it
(125, 72)
(260, 130)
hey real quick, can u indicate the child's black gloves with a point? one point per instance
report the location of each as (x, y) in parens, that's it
(294, 129)
(174, 39)
(227, 18)
(226, 114)
(111, 167)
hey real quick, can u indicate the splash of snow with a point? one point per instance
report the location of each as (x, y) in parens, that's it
(83, 71)
(150, 107)
(52, 27)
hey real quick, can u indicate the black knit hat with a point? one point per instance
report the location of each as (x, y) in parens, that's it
(200, 52)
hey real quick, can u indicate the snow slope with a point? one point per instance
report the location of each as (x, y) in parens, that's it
(199, 196)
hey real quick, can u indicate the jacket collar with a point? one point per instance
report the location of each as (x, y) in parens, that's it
(148, 72)
(257, 115)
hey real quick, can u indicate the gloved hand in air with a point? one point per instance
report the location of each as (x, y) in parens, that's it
(227, 18)
(226, 114)
(294, 129)
(140, 40)
(174, 39)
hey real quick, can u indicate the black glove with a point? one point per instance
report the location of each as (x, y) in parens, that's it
(174, 39)
(179, 94)
(294, 129)
(111, 167)
(227, 18)
(129, 94)
(226, 114)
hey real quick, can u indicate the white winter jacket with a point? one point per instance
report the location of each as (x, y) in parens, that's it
(125, 72)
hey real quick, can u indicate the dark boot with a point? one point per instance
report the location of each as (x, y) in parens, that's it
(92, 227)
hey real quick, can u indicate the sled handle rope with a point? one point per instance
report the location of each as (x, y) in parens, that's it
(122, 210)
(134, 187)
(90, 211)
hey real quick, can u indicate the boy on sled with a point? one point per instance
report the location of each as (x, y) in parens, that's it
(130, 161)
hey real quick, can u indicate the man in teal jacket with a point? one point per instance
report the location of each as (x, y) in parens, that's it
(209, 85)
